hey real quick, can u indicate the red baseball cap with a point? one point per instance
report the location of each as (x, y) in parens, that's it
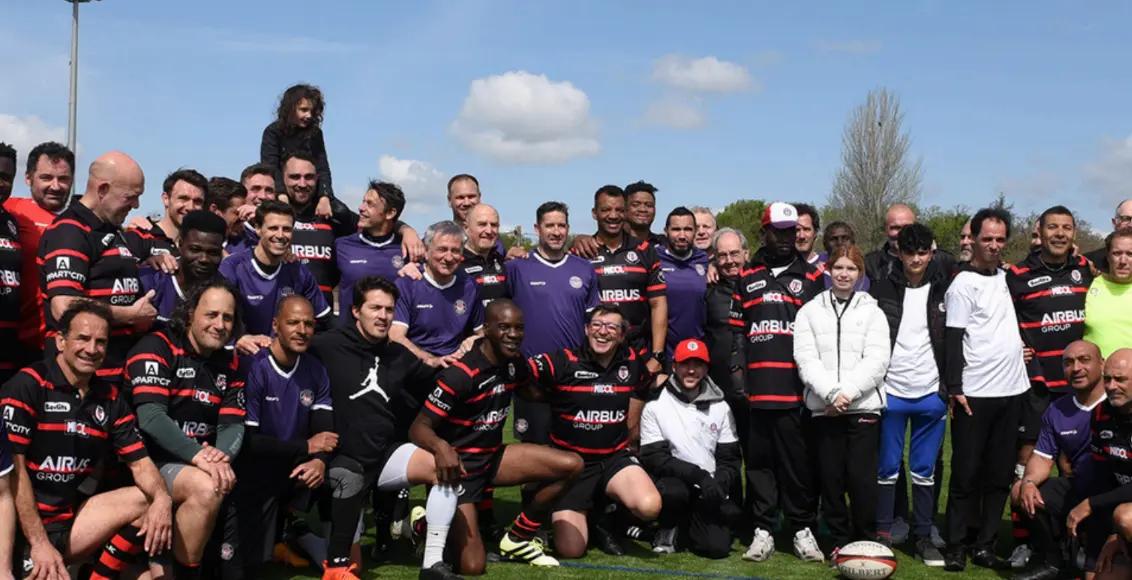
(691, 348)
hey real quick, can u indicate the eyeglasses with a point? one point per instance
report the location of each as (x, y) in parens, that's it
(610, 326)
(1122, 219)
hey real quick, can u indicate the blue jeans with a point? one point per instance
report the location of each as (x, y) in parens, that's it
(927, 416)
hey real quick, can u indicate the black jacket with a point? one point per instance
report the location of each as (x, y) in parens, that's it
(719, 335)
(882, 262)
(889, 293)
(277, 144)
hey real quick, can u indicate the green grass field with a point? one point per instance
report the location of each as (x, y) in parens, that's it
(640, 562)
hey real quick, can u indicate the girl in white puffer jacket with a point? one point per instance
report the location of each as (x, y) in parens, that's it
(841, 347)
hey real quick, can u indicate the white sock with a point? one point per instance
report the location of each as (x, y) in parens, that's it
(439, 511)
(315, 547)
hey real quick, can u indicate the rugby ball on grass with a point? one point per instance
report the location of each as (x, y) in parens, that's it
(865, 560)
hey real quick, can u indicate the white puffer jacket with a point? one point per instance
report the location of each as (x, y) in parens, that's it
(847, 356)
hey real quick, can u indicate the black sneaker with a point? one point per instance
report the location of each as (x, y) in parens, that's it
(986, 558)
(1043, 571)
(955, 560)
(605, 541)
(439, 571)
(929, 554)
(664, 541)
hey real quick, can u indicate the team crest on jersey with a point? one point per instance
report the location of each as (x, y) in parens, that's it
(222, 381)
(714, 428)
(511, 370)
(241, 400)
(226, 551)
(700, 269)
(631, 257)
(12, 228)
(100, 414)
(623, 373)
(520, 426)
(286, 291)
(1075, 276)
(107, 239)
(306, 397)
(460, 307)
(796, 286)
(575, 282)
(398, 261)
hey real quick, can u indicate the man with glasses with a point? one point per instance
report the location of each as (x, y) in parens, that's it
(1120, 220)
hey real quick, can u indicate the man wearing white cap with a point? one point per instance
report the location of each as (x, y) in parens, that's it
(773, 286)
(689, 446)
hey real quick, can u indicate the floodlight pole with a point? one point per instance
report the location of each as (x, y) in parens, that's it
(73, 99)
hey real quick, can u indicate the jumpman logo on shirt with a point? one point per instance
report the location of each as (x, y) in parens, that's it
(369, 384)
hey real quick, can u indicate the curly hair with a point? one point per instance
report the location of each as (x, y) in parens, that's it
(291, 98)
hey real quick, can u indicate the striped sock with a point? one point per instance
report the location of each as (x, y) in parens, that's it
(524, 528)
(186, 571)
(118, 553)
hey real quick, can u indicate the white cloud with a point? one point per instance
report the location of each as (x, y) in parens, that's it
(675, 113)
(23, 133)
(423, 184)
(707, 74)
(1111, 173)
(519, 117)
(857, 47)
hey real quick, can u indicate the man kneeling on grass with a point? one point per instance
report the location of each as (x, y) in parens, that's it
(688, 445)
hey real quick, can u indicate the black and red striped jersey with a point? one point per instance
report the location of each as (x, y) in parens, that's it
(589, 404)
(1110, 444)
(151, 242)
(766, 306)
(488, 273)
(65, 436)
(471, 401)
(198, 393)
(628, 277)
(312, 242)
(10, 266)
(1050, 305)
(81, 255)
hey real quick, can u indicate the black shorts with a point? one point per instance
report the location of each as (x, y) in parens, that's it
(595, 476)
(532, 421)
(58, 536)
(1034, 404)
(481, 469)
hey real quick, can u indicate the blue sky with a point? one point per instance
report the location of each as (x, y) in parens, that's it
(541, 100)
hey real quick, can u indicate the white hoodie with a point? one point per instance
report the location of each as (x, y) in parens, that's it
(848, 356)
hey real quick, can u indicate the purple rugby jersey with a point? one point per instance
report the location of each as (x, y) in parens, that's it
(1066, 429)
(438, 317)
(167, 292)
(259, 293)
(687, 284)
(280, 403)
(554, 297)
(360, 255)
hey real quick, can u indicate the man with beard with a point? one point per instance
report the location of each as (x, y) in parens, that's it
(290, 438)
(809, 224)
(263, 277)
(596, 396)
(200, 247)
(49, 174)
(380, 384)
(483, 262)
(771, 290)
(9, 268)
(630, 277)
(313, 238)
(1045, 500)
(190, 399)
(83, 253)
(225, 196)
(685, 270)
(1048, 289)
(562, 289)
(965, 243)
(461, 424)
(183, 191)
(63, 422)
(438, 312)
(986, 378)
(373, 251)
(705, 228)
(1108, 311)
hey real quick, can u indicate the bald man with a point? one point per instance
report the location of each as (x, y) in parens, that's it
(1043, 500)
(880, 262)
(83, 254)
(1121, 219)
(1109, 500)
(483, 253)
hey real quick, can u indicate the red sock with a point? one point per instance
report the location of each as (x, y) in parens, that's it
(117, 554)
(524, 528)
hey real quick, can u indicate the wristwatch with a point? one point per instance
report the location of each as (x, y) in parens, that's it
(660, 357)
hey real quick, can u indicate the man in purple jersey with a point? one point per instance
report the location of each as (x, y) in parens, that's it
(685, 270)
(561, 288)
(264, 278)
(290, 437)
(200, 248)
(1064, 431)
(225, 196)
(436, 314)
(376, 249)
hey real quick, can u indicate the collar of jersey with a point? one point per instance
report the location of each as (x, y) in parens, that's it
(1089, 409)
(433, 283)
(281, 372)
(538, 256)
(376, 242)
(258, 271)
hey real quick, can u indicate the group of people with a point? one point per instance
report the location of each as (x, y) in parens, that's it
(182, 395)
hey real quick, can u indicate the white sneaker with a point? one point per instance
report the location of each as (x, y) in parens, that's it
(937, 538)
(899, 530)
(762, 547)
(1020, 556)
(806, 546)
